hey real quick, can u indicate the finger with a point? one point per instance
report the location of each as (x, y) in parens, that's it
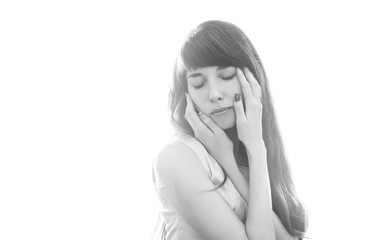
(256, 88)
(239, 109)
(193, 118)
(190, 105)
(191, 123)
(247, 91)
(189, 113)
(211, 124)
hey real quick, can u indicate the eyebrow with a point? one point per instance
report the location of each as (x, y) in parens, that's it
(192, 75)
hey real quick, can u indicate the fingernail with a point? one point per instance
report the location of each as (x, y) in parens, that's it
(237, 97)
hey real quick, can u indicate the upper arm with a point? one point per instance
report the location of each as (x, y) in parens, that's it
(207, 212)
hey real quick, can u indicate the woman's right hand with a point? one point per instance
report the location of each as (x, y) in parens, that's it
(210, 135)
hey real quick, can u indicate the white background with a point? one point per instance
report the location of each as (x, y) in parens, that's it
(83, 109)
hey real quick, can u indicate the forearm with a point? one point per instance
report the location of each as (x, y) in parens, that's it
(241, 184)
(260, 220)
(259, 223)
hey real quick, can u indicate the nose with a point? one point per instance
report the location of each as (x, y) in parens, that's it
(215, 93)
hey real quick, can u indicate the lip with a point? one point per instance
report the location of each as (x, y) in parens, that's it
(219, 110)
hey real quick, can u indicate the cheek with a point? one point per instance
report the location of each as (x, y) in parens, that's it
(193, 96)
(196, 98)
(234, 88)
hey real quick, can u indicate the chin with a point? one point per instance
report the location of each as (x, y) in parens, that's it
(227, 126)
(226, 123)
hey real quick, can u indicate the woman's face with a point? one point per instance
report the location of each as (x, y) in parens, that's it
(213, 88)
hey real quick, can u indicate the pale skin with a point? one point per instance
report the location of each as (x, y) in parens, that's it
(261, 222)
(177, 162)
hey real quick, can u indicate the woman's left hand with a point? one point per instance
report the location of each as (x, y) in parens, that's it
(249, 123)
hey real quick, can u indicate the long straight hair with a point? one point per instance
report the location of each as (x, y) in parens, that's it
(218, 43)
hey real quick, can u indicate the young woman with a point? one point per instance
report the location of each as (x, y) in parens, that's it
(224, 174)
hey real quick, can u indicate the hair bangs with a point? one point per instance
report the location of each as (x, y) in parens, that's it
(211, 48)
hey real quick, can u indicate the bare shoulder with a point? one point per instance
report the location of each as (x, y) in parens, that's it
(177, 160)
(192, 195)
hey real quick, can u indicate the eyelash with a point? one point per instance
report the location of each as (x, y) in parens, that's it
(231, 77)
(227, 78)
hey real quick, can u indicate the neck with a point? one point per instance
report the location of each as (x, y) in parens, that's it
(232, 133)
(239, 153)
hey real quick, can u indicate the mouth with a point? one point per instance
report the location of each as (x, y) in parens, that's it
(221, 111)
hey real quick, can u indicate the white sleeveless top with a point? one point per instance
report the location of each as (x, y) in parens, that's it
(176, 226)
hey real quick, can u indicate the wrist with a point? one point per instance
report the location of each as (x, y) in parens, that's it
(257, 152)
(256, 146)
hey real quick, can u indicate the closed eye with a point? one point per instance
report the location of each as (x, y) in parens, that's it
(199, 86)
(224, 78)
(228, 78)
